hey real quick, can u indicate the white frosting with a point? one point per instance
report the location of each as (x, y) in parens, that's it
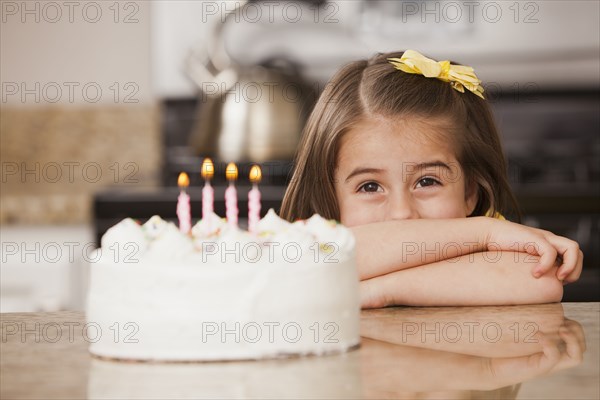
(331, 236)
(224, 293)
(154, 227)
(169, 245)
(208, 227)
(272, 223)
(123, 242)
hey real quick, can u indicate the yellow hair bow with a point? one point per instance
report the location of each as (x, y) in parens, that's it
(459, 76)
(496, 215)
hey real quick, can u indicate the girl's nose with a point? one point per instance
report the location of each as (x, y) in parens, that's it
(401, 207)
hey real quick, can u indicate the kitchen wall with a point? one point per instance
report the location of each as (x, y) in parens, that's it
(77, 116)
(78, 111)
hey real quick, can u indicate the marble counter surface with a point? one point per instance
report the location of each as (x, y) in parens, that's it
(520, 352)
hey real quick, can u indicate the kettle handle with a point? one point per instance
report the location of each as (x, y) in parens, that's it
(210, 64)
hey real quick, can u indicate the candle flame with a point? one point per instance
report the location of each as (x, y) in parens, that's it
(231, 172)
(208, 169)
(255, 174)
(183, 180)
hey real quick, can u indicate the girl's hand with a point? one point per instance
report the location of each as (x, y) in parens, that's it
(572, 334)
(553, 250)
(565, 351)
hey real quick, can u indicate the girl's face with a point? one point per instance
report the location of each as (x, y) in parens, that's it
(399, 169)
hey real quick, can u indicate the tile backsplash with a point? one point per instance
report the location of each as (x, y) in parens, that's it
(53, 159)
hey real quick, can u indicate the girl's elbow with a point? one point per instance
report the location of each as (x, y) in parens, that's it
(550, 289)
(545, 289)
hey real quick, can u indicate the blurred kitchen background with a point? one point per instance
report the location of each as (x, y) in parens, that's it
(104, 103)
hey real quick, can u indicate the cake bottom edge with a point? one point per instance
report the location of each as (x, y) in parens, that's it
(277, 356)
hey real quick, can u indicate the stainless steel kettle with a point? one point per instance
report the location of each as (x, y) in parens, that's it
(254, 113)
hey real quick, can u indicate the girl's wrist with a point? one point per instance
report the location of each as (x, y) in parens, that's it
(484, 231)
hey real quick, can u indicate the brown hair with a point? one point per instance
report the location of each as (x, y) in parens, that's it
(374, 87)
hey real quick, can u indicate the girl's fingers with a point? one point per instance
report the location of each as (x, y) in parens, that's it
(576, 273)
(551, 353)
(577, 329)
(571, 256)
(547, 253)
(573, 347)
(552, 250)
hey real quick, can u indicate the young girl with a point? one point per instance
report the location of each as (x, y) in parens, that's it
(403, 149)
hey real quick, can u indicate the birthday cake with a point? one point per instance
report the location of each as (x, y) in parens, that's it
(222, 293)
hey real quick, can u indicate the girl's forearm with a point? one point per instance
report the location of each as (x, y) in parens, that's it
(487, 278)
(390, 246)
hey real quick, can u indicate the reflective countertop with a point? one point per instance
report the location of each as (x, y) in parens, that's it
(519, 352)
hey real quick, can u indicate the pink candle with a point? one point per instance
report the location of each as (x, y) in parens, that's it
(254, 199)
(208, 193)
(231, 206)
(208, 198)
(183, 204)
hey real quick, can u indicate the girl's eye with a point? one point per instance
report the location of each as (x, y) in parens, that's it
(370, 187)
(424, 182)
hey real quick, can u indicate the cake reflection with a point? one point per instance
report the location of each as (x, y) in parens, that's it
(335, 376)
(405, 353)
